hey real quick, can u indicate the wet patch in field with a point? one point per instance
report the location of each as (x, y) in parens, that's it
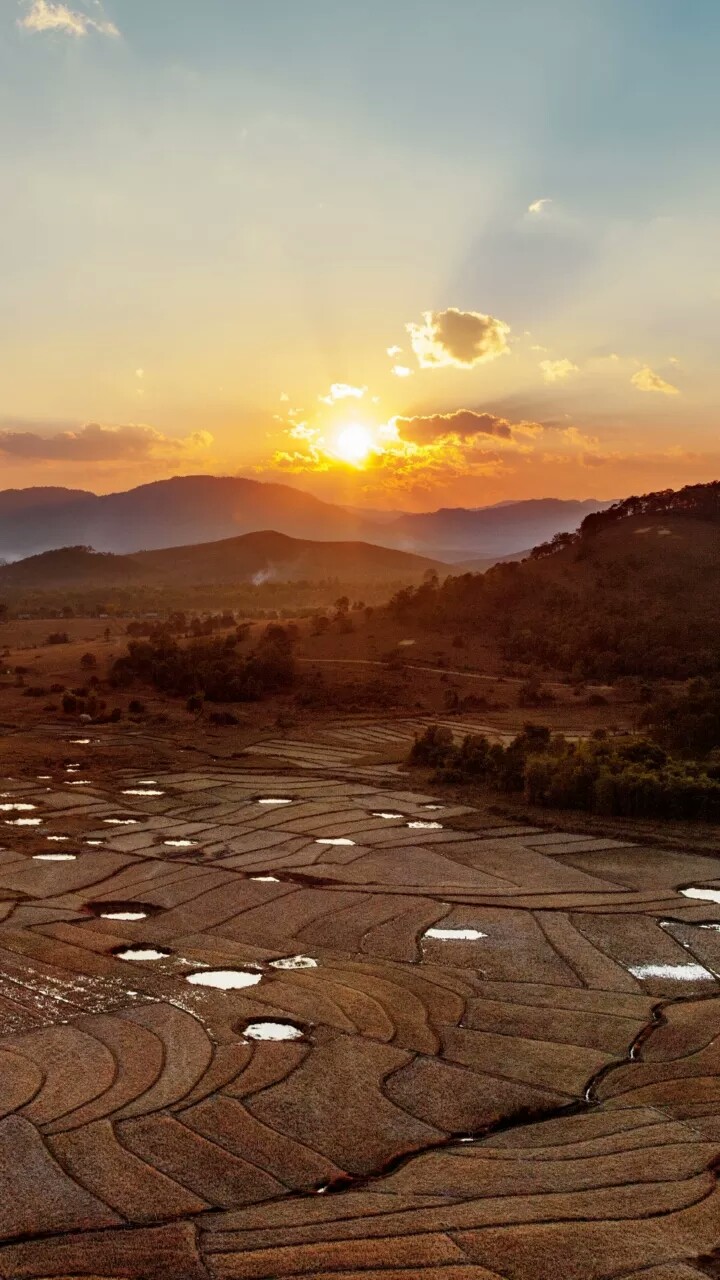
(678, 972)
(180, 844)
(294, 962)
(142, 791)
(128, 911)
(54, 857)
(454, 935)
(142, 953)
(274, 800)
(388, 815)
(268, 1029)
(343, 840)
(703, 895)
(420, 824)
(224, 979)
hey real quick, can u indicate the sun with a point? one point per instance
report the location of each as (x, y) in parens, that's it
(353, 444)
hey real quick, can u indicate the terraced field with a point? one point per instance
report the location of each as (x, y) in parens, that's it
(299, 1023)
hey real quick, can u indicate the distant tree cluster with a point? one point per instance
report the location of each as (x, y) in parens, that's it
(630, 778)
(210, 669)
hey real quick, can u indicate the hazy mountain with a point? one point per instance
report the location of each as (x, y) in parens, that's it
(200, 509)
(186, 509)
(489, 531)
(260, 557)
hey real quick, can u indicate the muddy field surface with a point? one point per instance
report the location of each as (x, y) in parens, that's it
(288, 1015)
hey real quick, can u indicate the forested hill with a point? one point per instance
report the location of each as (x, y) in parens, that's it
(635, 592)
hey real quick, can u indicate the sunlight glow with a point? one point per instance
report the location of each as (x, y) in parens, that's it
(354, 444)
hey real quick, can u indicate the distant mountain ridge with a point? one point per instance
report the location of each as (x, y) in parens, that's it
(253, 557)
(189, 510)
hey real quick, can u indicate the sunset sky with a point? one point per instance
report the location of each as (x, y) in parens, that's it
(401, 253)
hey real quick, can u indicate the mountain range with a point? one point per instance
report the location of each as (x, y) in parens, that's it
(200, 509)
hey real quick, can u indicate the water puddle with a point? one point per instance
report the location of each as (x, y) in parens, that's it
(142, 791)
(454, 935)
(420, 825)
(93, 843)
(294, 962)
(679, 972)
(224, 979)
(123, 915)
(389, 816)
(121, 822)
(127, 911)
(18, 808)
(275, 800)
(142, 953)
(434, 808)
(147, 782)
(272, 1031)
(54, 857)
(265, 879)
(80, 742)
(180, 844)
(23, 822)
(332, 840)
(44, 777)
(79, 782)
(704, 895)
(57, 839)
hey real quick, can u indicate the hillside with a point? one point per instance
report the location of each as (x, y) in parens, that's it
(259, 557)
(635, 592)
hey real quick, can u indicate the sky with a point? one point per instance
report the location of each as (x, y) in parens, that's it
(403, 254)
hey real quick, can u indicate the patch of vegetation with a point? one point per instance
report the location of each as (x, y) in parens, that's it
(630, 778)
(619, 598)
(210, 669)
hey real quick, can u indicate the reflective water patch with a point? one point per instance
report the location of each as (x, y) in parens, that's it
(455, 935)
(272, 1031)
(339, 840)
(224, 979)
(420, 825)
(704, 895)
(142, 953)
(54, 857)
(294, 962)
(679, 972)
(276, 800)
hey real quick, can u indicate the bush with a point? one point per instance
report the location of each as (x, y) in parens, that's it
(632, 778)
(58, 637)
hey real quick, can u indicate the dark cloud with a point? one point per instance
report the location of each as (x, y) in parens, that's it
(96, 443)
(460, 338)
(463, 424)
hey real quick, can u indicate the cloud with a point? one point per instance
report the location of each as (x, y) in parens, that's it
(459, 338)
(394, 351)
(557, 370)
(342, 391)
(647, 380)
(46, 15)
(537, 206)
(401, 371)
(96, 443)
(463, 425)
